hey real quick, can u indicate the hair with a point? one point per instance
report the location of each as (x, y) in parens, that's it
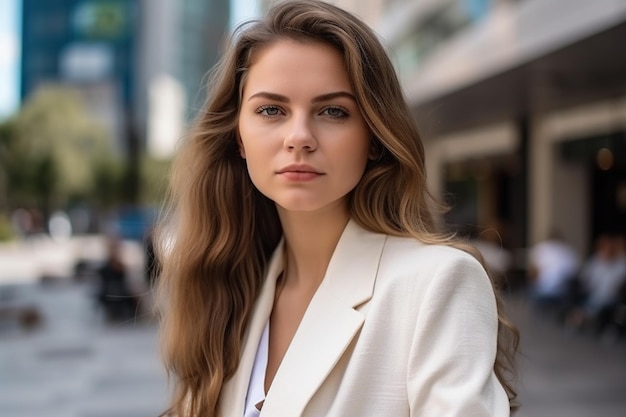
(226, 230)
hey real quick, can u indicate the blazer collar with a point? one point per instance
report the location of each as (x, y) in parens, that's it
(326, 330)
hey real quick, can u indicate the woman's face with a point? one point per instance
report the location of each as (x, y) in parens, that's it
(301, 131)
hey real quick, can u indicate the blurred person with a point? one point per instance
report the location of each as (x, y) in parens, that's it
(602, 278)
(23, 222)
(553, 267)
(114, 295)
(307, 276)
(59, 226)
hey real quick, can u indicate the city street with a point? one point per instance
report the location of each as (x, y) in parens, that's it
(76, 365)
(130, 145)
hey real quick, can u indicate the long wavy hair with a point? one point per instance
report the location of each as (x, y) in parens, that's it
(224, 229)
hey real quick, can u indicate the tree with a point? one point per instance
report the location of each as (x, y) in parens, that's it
(154, 174)
(52, 152)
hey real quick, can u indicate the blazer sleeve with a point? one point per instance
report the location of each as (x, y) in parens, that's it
(453, 349)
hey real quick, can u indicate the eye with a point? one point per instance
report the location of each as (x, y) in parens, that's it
(268, 111)
(335, 112)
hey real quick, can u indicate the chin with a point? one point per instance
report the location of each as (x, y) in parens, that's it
(312, 205)
(299, 206)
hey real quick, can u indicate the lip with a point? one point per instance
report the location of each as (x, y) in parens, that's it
(299, 168)
(299, 173)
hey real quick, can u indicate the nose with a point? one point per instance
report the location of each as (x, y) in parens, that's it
(299, 135)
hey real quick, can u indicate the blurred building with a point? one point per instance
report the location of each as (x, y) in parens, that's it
(179, 43)
(204, 24)
(140, 64)
(160, 109)
(86, 44)
(522, 105)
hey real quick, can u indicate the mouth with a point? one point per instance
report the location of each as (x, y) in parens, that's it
(300, 169)
(299, 173)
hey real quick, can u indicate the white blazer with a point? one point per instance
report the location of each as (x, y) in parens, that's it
(396, 328)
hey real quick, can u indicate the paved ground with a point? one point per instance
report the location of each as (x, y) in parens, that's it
(565, 373)
(75, 365)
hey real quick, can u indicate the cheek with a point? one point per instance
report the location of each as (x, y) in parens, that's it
(356, 168)
(357, 156)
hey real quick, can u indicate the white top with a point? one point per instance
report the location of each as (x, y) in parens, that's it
(256, 386)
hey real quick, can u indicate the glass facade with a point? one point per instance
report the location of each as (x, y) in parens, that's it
(203, 27)
(437, 26)
(78, 41)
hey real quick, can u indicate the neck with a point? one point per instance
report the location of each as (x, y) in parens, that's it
(310, 240)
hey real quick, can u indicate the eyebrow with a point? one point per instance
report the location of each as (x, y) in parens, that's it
(284, 99)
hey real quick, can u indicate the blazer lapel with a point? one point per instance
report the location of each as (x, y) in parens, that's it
(232, 401)
(329, 324)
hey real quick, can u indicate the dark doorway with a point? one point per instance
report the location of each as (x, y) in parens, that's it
(608, 200)
(605, 155)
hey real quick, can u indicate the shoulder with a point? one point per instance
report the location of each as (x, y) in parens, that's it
(406, 264)
(413, 256)
(432, 271)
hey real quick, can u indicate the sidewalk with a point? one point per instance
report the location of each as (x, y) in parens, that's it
(564, 373)
(75, 365)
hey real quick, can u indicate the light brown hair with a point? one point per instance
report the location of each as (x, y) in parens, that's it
(226, 230)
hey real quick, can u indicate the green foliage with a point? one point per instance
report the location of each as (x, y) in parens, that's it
(154, 174)
(52, 152)
(6, 231)
(108, 179)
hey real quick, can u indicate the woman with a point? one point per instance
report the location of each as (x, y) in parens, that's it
(307, 277)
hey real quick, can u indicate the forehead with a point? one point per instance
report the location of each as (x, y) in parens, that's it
(295, 63)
